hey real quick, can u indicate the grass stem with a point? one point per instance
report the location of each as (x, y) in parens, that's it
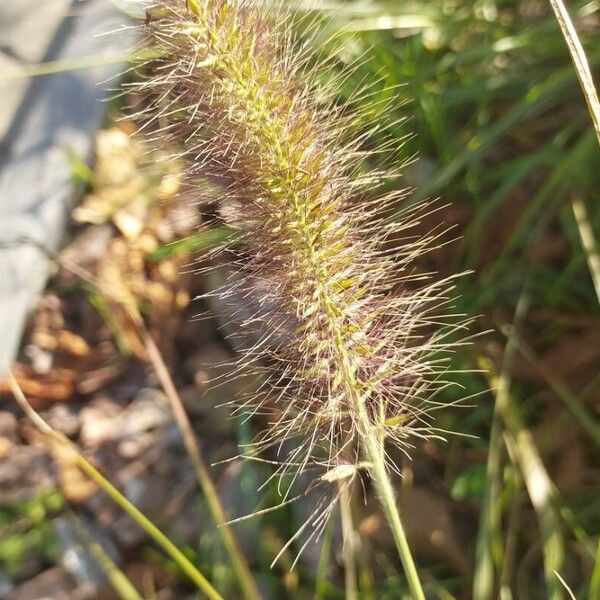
(580, 61)
(119, 581)
(150, 528)
(588, 241)
(240, 565)
(349, 547)
(242, 571)
(321, 582)
(376, 456)
(595, 581)
(537, 481)
(590, 94)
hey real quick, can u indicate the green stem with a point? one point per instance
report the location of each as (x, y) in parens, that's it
(112, 492)
(537, 481)
(588, 240)
(595, 581)
(150, 528)
(119, 581)
(240, 566)
(321, 582)
(375, 454)
(349, 549)
(211, 495)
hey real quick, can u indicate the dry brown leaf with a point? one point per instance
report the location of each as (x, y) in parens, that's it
(129, 185)
(71, 343)
(42, 390)
(75, 486)
(133, 288)
(5, 446)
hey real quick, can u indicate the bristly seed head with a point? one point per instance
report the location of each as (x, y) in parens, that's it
(344, 330)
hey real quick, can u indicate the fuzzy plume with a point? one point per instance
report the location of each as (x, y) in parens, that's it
(345, 320)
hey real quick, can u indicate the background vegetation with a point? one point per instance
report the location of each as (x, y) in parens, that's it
(491, 110)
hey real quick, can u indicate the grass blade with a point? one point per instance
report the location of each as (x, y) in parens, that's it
(242, 571)
(595, 582)
(588, 241)
(119, 581)
(240, 565)
(349, 549)
(539, 486)
(490, 521)
(110, 490)
(580, 61)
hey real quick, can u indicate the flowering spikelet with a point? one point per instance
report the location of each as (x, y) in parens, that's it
(345, 323)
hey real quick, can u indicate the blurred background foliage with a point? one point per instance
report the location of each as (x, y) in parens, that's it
(491, 115)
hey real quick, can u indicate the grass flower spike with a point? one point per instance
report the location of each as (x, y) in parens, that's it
(345, 320)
